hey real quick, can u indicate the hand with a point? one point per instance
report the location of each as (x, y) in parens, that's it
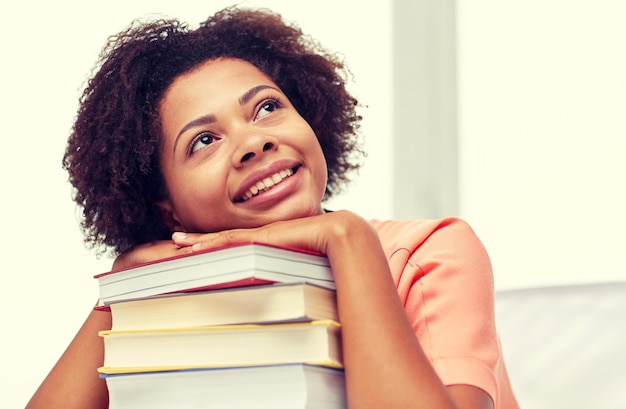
(147, 252)
(321, 233)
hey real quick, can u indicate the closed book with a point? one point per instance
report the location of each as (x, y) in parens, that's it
(225, 267)
(243, 305)
(292, 386)
(317, 342)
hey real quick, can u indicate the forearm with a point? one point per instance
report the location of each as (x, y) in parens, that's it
(386, 366)
(73, 382)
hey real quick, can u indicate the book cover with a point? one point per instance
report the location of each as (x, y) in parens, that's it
(225, 267)
(316, 342)
(291, 386)
(245, 305)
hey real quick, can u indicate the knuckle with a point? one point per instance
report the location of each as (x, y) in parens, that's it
(228, 236)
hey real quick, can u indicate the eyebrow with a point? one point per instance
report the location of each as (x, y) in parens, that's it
(249, 94)
(210, 118)
(203, 120)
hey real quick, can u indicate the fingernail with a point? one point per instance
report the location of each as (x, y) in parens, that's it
(179, 235)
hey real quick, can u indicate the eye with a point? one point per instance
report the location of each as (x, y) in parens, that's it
(200, 142)
(267, 107)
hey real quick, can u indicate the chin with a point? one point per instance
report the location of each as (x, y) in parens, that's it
(293, 212)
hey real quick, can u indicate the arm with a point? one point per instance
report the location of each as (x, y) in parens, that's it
(73, 383)
(385, 364)
(398, 374)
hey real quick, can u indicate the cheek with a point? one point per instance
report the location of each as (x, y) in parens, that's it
(194, 208)
(191, 193)
(196, 191)
(320, 159)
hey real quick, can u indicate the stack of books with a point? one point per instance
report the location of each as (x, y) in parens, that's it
(243, 326)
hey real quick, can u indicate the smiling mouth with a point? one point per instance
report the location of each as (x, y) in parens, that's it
(266, 184)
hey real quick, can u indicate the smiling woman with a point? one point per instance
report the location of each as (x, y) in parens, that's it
(79, 33)
(126, 183)
(237, 132)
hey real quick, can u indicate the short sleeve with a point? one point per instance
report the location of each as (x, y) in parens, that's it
(445, 281)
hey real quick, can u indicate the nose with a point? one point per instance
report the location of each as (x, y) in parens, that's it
(254, 147)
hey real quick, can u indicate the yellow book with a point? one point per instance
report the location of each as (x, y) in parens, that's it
(317, 342)
(244, 305)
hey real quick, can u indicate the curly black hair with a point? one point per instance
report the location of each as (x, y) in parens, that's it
(112, 155)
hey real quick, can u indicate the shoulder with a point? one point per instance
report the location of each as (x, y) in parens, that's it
(412, 234)
(444, 251)
(441, 271)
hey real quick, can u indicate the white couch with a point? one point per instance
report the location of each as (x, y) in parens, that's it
(565, 347)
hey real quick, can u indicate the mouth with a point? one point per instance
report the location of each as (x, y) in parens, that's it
(266, 184)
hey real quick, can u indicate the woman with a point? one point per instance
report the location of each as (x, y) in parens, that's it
(238, 131)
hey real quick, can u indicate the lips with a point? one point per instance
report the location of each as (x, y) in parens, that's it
(265, 183)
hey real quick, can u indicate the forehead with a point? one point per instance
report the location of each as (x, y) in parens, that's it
(220, 73)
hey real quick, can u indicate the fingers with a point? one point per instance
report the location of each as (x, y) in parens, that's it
(189, 240)
(198, 241)
(310, 233)
(181, 239)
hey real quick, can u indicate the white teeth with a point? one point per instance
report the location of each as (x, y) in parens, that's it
(267, 183)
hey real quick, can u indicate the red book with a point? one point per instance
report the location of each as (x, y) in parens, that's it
(226, 267)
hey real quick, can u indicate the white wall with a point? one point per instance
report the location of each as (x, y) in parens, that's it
(425, 152)
(47, 50)
(542, 102)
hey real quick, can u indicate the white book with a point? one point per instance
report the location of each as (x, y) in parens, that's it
(226, 267)
(293, 386)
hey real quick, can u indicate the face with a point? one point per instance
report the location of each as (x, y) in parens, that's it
(236, 154)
